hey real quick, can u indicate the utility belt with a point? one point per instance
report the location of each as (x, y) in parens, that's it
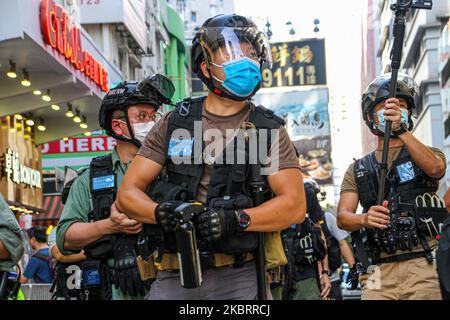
(400, 257)
(169, 261)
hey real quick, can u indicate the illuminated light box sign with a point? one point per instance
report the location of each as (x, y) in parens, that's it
(296, 63)
(19, 173)
(59, 32)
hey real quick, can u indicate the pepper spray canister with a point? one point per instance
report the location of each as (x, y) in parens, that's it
(187, 249)
(188, 256)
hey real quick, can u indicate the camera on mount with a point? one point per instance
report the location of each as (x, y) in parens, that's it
(412, 4)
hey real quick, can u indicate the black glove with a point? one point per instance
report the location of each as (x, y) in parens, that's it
(165, 217)
(213, 224)
(353, 278)
(405, 226)
(389, 239)
(126, 273)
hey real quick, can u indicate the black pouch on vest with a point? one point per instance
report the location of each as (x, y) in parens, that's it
(161, 191)
(96, 280)
(100, 249)
(240, 242)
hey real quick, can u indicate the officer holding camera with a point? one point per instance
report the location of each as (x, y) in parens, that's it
(11, 250)
(401, 233)
(90, 221)
(227, 54)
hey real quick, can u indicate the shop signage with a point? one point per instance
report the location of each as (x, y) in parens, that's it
(19, 173)
(75, 145)
(296, 63)
(60, 33)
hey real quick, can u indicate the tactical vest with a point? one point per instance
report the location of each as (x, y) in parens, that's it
(227, 180)
(103, 189)
(96, 283)
(304, 244)
(334, 253)
(408, 227)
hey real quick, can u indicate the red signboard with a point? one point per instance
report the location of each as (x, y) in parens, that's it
(83, 144)
(62, 35)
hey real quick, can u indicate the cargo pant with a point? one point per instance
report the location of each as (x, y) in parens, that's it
(306, 289)
(413, 279)
(225, 283)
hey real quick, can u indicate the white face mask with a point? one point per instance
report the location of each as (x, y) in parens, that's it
(141, 130)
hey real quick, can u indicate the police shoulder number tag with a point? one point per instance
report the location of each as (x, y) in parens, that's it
(179, 147)
(103, 182)
(405, 172)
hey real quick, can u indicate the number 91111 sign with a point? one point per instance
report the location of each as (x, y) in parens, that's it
(296, 63)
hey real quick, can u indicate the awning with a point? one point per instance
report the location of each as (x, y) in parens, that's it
(53, 208)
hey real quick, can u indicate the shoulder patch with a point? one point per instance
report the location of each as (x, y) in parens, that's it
(269, 114)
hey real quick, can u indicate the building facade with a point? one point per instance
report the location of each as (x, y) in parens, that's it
(49, 65)
(195, 12)
(444, 78)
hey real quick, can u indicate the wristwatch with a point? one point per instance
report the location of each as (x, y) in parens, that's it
(403, 129)
(327, 272)
(243, 220)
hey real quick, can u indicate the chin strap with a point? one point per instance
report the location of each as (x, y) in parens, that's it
(132, 139)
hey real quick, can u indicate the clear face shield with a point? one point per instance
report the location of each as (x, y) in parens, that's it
(235, 57)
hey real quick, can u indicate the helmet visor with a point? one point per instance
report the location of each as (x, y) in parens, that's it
(224, 44)
(159, 86)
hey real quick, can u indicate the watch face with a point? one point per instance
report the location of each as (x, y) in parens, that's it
(243, 220)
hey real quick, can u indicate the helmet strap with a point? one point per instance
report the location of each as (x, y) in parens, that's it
(132, 139)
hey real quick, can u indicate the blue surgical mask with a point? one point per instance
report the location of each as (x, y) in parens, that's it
(241, 76)
(382, 121)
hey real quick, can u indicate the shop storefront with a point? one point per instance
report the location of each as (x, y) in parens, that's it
(21, 174)
(52, 81)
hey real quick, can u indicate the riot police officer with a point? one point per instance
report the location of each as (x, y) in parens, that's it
(89, 220)
(399, 236)
(228, 53)
(305, 245)
(11, 250)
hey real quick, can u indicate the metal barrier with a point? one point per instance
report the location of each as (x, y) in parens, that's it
(37, 291)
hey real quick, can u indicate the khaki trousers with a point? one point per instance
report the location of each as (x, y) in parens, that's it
(413, 279)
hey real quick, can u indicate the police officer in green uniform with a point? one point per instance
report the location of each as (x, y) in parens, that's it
(11, 250)
(89, 220)
(228, 54)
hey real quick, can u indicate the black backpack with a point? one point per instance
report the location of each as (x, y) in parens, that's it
(443, 260)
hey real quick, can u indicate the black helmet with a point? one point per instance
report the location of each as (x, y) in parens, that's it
(226, 31)
(154, 90)
(311, 183)
(378, 91)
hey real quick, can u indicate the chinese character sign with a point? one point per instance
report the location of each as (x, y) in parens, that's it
(307, 122)
(19, 173)
(296, 63)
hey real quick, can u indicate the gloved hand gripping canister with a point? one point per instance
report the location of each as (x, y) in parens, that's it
(187, 250)
(177, 216)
